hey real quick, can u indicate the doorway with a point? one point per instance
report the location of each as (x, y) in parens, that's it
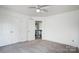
(38, 30)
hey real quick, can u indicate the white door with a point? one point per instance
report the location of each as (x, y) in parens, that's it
(31, 29)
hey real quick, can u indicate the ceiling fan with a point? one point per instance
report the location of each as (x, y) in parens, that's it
(39, 8)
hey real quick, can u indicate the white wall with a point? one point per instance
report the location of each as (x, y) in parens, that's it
(63, 28)
(13, 27)
(31, 29)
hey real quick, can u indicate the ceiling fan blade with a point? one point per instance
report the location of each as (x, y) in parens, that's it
(44, 10)
(37, 7)
(32, 7)
(41, 6)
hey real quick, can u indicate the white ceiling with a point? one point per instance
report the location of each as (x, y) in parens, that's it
(52, 9)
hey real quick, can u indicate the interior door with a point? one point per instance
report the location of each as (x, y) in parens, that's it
(31, 29)
(38, 30)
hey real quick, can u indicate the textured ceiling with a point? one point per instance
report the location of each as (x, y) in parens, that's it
(52, 9)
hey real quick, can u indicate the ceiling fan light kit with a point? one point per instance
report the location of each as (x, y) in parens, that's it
(38, 10)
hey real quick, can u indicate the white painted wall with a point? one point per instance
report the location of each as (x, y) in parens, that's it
(13, 27)
(31, 29)
(63, 28)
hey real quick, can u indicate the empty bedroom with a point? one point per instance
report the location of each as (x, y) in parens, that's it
(39, 28)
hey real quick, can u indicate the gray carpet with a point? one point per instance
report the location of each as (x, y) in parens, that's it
(38, 46)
